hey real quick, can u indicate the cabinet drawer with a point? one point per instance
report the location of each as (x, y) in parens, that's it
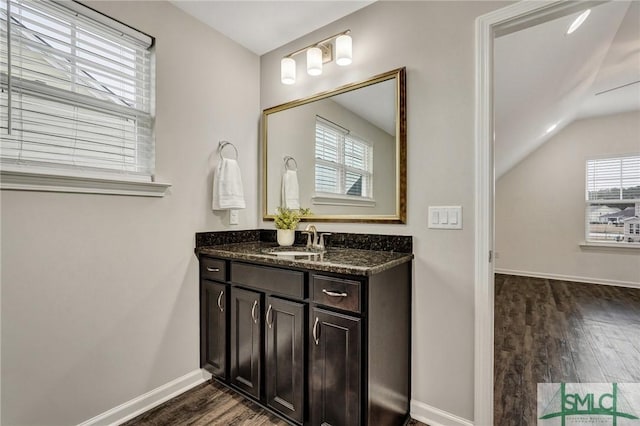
(342, 294)
(271, 280)
(213, 269)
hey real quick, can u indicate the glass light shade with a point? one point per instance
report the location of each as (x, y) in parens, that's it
(314, 61)
(343, 50)
(288, 71)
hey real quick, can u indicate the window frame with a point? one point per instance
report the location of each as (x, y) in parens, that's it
(589, 242)
(31, 176)
(340, 198)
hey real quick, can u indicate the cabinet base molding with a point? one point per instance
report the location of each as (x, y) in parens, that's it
(149, 400)
(434, 416)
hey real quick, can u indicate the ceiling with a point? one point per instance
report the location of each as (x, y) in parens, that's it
(543, 77)
(262, 26)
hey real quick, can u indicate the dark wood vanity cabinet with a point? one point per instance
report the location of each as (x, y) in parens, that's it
(213, 329)
(246, 340)
(285, 356)
(335, 361)
(315, 348)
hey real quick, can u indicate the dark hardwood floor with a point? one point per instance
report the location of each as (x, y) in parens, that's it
(549, 331)
(211, 404)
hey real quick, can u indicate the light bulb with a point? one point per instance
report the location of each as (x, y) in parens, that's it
(288, 71)
(314, 61)
(343, 50)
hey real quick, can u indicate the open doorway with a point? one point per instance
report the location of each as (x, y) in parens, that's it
(552, 115)
(567, 180)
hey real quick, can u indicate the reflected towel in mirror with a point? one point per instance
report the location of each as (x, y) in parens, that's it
(290, 190)
(227, 186)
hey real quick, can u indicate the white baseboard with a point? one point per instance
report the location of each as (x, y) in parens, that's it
(153, 398)
(559, 277)
(434, 416)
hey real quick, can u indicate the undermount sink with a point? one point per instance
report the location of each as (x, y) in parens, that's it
(291, 252)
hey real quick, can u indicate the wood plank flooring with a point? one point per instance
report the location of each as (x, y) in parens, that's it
(549, 331)
(211, 404)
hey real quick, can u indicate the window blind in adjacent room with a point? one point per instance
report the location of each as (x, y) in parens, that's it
(76, 90)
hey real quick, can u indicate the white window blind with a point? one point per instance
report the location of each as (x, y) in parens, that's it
(612, 197)
(343, 162)
(76, 92)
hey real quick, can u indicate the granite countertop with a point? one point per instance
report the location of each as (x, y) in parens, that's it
(335, 259)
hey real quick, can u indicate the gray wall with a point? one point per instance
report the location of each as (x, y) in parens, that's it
(99, 293)
(435, 41)
(540, 205)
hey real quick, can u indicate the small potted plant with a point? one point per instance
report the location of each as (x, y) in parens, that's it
(286, 223)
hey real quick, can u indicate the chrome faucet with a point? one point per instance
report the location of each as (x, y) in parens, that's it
(315, 241)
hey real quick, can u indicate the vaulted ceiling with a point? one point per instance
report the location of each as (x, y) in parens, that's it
(546, 78)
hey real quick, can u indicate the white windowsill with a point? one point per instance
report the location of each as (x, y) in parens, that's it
(55, 182)
(592, 244)
(337, 200)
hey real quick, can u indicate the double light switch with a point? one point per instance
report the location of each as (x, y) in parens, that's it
(445, 217)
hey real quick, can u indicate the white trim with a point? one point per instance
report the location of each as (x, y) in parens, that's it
(559, 277)
(50, 182)
(343, 200)
(434, 416)
(608, 246)
(509, 18)
(142, 403)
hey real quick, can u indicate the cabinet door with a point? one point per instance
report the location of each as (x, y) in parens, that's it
(213, 329)
(284, 354)
(246, 340)
(335, 369)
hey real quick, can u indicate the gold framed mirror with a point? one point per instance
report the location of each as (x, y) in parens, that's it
(344, 150)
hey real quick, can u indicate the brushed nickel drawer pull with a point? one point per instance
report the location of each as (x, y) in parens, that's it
(269, 323)
(210, 269)
(333, 293)
(315, 332)
(219, 300)
(253, 311)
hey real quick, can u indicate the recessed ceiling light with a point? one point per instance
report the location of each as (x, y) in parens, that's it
(579, 21)
(552, 128)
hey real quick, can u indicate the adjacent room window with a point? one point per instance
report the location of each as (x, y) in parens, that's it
(613, 199)
(344, 162)
(76, 92)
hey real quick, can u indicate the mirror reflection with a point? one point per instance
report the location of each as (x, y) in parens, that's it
(339, 153)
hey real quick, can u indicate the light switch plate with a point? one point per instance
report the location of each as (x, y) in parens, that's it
(445, 217)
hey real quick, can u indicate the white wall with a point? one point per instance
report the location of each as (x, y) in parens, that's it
(292, 132)
(540, 207)
(435, 41)
(99, 293)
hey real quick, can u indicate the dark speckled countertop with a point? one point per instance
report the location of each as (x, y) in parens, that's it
(335, 259)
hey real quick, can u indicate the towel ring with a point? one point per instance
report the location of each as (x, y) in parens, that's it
(286, 162)
(223, 144)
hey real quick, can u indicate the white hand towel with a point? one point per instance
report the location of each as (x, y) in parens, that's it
(290, 190)
(227, 186)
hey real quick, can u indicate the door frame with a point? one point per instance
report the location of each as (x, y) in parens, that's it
(500, 22)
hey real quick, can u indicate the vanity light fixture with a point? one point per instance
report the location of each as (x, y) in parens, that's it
(578, 21)
(318, 54)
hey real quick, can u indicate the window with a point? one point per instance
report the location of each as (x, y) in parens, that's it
(343, 163)
(76, 92)
(613, 199)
